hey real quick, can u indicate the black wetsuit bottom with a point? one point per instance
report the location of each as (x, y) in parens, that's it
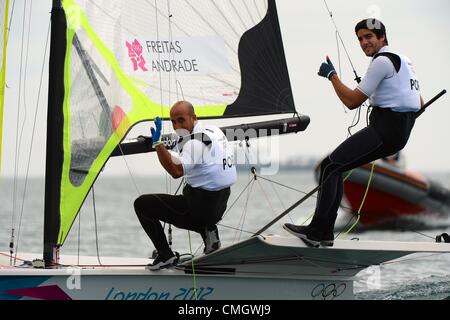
(387, 133)
(196, 209)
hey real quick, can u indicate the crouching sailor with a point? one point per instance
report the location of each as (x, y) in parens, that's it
(393, 90)
(205, 159)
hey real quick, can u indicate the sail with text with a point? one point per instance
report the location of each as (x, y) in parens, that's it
(116, 63)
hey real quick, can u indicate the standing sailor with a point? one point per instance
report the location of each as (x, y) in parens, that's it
(393, 90)
(206, 162)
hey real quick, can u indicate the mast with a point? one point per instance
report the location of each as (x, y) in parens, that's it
(55, 125)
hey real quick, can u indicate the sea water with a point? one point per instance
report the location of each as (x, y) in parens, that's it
(114, 229)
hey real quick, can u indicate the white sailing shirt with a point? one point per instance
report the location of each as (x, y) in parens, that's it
(387, 88)
(207, 158)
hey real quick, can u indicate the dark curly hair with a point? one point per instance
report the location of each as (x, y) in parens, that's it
(374, 25)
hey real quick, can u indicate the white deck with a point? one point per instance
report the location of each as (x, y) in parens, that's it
(252, 254)
(252, 269)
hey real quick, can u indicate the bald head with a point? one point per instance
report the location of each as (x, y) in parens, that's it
(183, 116)
(183, 106)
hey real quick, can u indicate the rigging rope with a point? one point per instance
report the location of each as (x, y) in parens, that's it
(246, 146)
(278, 196)
(169, 16)
(161, 85)
(244, 214)
(240, 194)
(33, 129)
(79, 238)
(265, 196)
(10, 20)
(363, 200)
(133, 180)
(95, 225)
(340, 67)
(17, 151)
(423, 234)
(169, 235)
(193, 267)
(398, 261)
(357, 78)
(26, 75)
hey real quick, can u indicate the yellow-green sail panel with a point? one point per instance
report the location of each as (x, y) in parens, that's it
(4, 9)
(106, 96)
(129, 61)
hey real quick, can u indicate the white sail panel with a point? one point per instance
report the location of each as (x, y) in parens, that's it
(186, 26)
(126, 62)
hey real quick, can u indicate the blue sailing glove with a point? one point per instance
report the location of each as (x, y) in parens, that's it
(327, 69)
(156, 133)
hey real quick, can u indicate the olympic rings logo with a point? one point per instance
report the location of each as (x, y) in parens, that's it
(330, 291)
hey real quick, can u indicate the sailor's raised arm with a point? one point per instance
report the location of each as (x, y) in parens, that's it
(352, 99)
(170, 163)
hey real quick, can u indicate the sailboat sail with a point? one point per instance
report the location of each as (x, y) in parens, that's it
(4, 8)
(116, 63)
(125, 62)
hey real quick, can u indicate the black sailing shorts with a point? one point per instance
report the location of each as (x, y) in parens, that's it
(206, 206)
(394, 128)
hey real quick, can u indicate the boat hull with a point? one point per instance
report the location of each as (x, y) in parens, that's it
(167, 285)
(393, 194)
(258, 268)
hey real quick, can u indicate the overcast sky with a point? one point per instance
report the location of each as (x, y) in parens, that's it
(419, 29)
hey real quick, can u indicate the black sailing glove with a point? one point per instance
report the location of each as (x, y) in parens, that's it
(327, 69)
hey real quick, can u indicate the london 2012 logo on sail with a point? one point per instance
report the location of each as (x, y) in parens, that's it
(135, 54)
(197, 55)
